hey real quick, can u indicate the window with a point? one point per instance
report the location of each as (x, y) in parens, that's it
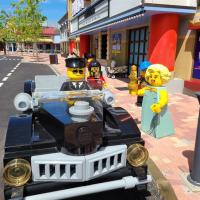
(196, 67)
(138, 46)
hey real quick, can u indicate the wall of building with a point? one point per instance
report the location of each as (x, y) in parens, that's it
(69, 9)
(64, 47)
(121, 57)
(173, 2)
(124, 6)
(185, 50)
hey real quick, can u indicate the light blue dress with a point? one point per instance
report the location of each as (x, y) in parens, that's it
(156, 124)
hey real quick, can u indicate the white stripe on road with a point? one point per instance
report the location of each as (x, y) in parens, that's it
(17, 66)
(2, 58)
(9, 74)
(5, 79)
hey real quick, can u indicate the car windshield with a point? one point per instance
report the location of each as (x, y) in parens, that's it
(93, 97)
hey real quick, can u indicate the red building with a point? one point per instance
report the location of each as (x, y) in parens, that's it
(47, 41)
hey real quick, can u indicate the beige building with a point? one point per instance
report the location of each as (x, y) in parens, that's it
(64, 33)
(130, 32)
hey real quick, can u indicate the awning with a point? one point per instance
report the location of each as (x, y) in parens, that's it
(195, 23)
(45, 40)
(132, 15)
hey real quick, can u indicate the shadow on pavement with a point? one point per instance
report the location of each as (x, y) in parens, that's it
(122, 88)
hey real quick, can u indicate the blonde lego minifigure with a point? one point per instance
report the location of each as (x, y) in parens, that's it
(133, 84)
(156, 118)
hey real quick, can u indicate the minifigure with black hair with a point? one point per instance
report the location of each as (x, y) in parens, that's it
(95, 77)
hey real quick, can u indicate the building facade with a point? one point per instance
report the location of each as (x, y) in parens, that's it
(130, 32)
(64, 33)
(188, 51)
(48, 42)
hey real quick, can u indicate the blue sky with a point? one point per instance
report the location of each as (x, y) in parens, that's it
(52, 9)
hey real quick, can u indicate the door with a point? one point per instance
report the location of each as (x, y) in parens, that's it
(196, 67)
(104, 46)
(138, 44)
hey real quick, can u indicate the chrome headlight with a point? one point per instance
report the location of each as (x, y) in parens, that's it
(17, 172)
(137, 155)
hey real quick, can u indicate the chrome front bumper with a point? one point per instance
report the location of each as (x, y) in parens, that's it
(127, 182)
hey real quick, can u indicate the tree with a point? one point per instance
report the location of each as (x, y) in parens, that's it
(7, 28)
(23, 24)
(29, 20)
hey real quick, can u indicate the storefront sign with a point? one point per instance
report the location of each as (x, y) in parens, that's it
(116, 43)
(77, 5)
(100, 12)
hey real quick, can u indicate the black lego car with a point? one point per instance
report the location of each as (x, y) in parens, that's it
(70, 143)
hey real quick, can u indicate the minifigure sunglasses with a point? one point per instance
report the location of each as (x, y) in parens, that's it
(75, 71)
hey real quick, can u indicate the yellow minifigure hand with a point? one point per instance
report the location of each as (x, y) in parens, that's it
(106, 85)
(141, 92)
(156, 108)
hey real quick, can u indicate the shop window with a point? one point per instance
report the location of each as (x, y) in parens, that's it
(196, 67)
(142, 34)
(138, 45)
(48, 46)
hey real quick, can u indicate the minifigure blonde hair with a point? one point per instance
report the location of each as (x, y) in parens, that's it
(133, 68)
(161, 69)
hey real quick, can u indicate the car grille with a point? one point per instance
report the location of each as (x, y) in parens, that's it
(62, 167)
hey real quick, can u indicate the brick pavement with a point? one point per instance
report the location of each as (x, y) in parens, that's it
(173, 155)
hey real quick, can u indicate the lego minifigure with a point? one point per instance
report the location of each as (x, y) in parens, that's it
(156, 118)
(76, 74)
(89, 58)
(133, 84)
(95, 77)
(141, 79)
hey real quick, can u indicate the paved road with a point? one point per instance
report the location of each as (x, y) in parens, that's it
(13, 73)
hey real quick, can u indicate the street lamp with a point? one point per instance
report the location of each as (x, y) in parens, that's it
(194, 176)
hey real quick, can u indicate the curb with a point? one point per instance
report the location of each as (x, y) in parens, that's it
(164, 187)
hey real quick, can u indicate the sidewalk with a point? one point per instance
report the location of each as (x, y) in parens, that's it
(172, 155)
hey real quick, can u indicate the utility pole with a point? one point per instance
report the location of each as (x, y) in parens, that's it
(194, 176)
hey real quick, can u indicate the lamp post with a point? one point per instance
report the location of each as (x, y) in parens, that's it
(194, 176)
